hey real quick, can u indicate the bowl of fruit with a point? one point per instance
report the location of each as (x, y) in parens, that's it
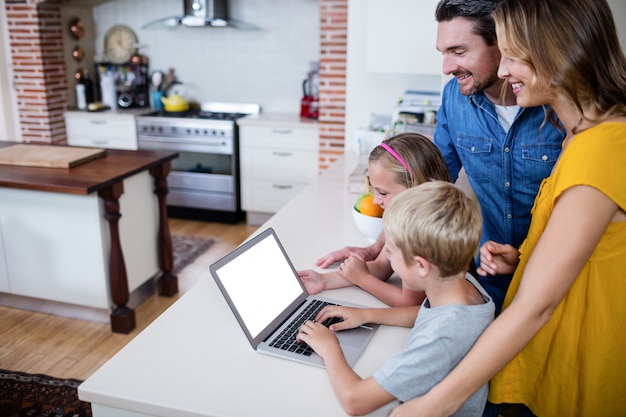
(368, 216)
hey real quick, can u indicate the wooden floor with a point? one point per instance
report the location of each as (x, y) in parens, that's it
(69, 348)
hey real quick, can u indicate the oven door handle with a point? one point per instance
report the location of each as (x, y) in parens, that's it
(204, 146)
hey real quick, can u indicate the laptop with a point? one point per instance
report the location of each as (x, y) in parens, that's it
(265, 293)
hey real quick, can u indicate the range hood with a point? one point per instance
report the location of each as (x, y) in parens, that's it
(202, 13)
(205, 13)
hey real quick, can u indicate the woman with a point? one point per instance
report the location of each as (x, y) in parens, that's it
(558, 347)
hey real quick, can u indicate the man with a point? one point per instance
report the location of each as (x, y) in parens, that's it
(505, 150)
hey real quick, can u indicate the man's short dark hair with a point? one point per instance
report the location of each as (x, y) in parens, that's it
(476, 11)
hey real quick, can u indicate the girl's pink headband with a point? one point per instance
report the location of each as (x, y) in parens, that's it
(395, 155)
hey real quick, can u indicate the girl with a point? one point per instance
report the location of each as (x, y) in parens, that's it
(398, 163)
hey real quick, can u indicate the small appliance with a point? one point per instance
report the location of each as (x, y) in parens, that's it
(309, 105)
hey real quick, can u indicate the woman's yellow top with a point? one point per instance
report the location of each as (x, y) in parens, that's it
(576, 364)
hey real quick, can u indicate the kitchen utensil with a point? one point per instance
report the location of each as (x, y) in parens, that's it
(309, 105)
(175, 103)
(156, 79)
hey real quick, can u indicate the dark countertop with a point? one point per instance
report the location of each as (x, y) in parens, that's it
(84, 179)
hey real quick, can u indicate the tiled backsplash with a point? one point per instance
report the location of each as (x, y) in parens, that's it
(264, 66)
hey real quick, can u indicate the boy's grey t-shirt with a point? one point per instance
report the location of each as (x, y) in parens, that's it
(440, 338)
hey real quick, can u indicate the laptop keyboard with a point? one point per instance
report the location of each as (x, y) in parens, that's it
(286, 340)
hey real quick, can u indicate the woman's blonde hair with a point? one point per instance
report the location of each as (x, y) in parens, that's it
(437, 221)
(572, 46)
(423, 158)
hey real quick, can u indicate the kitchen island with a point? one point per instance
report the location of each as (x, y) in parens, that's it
(68, 235)
(216, 372)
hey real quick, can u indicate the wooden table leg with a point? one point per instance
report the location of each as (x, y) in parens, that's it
(122, 317)
(168, 282)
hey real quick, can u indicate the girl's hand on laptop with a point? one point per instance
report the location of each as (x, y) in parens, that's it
(312, 280)
(351, 317)
(322, 341)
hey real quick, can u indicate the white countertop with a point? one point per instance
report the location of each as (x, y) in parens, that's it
(179, 367)
(110, 112)
(275, 119)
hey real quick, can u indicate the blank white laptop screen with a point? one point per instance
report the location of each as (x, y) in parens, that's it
(260, 274)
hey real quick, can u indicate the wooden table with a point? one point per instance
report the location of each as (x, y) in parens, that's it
(105, 177)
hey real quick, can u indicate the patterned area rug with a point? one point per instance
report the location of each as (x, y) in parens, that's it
(187, 248)
(25, 395)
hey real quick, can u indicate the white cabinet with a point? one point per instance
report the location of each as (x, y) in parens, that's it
(279, 157)
(401, 37)
(56, 245)
(114, 130)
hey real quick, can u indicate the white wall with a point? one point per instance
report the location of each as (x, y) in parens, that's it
(9, 125)
(224, 64)
(618, 7)
(374, 92)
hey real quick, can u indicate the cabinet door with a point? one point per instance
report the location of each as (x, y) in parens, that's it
(401, 37)
(268, 196)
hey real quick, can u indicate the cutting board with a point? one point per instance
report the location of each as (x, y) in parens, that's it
(48, 156)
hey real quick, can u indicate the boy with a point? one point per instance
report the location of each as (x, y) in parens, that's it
(432, 232)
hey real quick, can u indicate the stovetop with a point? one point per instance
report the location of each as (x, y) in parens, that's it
(196, 114)
(211, 111)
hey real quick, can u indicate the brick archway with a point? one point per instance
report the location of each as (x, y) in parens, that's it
(36, 48)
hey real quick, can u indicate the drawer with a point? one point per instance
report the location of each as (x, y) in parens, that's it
(116, 133)
(278, 137)
(268, 196)
(277, 164)
(102, 142)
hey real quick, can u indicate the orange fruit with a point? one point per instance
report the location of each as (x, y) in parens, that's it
(368, 207)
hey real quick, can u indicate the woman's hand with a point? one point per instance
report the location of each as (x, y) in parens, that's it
(313, 281)
(497, 258)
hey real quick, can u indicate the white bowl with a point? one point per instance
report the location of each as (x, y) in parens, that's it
(370, 226)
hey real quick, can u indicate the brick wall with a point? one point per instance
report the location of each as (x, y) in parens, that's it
(332, 106)
(36, 45)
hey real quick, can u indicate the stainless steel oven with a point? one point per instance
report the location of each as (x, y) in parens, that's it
(204, 182)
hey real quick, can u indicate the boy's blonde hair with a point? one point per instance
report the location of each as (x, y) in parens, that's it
(436, 221)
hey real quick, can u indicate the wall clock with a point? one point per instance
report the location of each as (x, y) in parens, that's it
(120, 43)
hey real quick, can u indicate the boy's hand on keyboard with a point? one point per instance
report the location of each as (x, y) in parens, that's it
(321, 340)
(350, 317)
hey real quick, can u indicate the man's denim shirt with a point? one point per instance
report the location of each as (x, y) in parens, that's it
(504, 169)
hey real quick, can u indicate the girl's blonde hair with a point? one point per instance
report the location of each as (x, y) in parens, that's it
(423, 158)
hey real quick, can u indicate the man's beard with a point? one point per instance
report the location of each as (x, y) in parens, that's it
(480, 85)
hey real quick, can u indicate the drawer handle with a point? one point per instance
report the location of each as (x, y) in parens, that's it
(282, 187)
(282, 131)
(100, 142)
(282, 153)
(97, 122)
